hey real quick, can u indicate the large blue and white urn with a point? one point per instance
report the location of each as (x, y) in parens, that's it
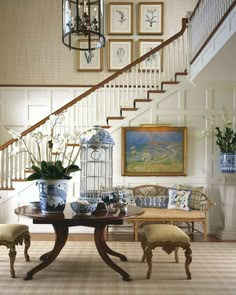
(228, 162)
(53, 194)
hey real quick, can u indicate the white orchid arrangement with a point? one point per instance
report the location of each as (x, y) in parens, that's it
(225, 135)
(61, 150)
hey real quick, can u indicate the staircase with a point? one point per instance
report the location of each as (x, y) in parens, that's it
(127, 92)
(124, 95)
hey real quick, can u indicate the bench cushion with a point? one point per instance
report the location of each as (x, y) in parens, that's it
(9, 232)
(164, 233)
(167, 214)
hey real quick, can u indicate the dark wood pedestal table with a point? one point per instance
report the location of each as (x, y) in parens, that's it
(61, 223)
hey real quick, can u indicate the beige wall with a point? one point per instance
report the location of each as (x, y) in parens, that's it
(32, 52)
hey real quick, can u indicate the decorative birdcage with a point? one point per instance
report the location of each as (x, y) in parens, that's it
(96, 163)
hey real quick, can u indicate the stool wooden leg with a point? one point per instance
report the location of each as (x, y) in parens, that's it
(27, 245)
(188, 256)
(149, 262)
(205, 231)
(144, 247)
(136, 231)
(176, 255)
(12, 256)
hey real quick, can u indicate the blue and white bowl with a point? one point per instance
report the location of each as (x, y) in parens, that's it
(84, 205)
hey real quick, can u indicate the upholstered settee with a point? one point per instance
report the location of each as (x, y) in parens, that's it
(159, 208)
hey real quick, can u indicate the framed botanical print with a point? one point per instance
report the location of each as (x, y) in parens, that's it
(160, 151)
(150, 16)
(120, 18)
(89, 60)
(120, 53)
(155, 61)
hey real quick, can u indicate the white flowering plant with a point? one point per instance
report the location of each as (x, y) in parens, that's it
(61, 151)
(225, 135)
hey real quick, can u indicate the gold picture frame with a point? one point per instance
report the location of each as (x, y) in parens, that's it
(89, 61)
(120, 18)
(150, 16)
(154, 151)
(120, 53)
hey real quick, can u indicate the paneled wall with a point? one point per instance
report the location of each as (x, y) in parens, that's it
(187, 106)
(21, 107)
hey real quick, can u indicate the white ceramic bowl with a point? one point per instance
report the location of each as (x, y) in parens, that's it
(84, 205)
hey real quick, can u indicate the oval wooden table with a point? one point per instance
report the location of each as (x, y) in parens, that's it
(61, 223)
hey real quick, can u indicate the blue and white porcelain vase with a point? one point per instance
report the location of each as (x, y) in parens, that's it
(53, 194)
(228, 162)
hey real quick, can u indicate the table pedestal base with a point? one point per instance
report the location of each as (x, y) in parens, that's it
(61, 233)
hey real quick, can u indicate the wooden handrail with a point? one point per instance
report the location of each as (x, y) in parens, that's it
(194, 11)
(101, 84)
(214, 30)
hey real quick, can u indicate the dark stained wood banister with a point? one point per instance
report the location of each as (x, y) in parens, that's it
(101, 84)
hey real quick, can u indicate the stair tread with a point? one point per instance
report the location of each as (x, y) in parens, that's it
(156, 91)
(19, 179)
(170, 82)
(115, 118)
(129, 109)
(143, 99)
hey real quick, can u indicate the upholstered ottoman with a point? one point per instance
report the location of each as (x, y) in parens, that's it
(169, 238)
(12, 235)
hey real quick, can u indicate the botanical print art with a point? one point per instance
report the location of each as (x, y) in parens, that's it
(120, 54)
(120, 19)
(155, 60)
(89, 60)
(151, 18)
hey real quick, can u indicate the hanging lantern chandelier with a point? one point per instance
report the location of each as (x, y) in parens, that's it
(83, 24)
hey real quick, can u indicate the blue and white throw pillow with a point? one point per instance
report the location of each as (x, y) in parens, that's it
(179, 199)
(151, 201)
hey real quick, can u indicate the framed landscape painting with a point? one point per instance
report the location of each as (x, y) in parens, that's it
(150, 16)
(160, 151)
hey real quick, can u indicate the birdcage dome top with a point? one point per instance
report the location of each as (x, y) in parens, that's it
(100, 137)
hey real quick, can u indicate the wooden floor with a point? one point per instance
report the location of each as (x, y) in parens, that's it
(111, 237)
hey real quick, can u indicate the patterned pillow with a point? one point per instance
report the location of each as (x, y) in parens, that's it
(151, 201)
(179, 199)
(195, 199)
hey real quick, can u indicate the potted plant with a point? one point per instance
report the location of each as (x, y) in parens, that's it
(53, 160)
(226, 142)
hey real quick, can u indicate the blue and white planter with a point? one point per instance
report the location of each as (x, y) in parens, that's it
(53, 194)
(228, 162)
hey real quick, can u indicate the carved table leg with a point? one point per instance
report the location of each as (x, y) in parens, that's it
(61, 233)
(103, 250)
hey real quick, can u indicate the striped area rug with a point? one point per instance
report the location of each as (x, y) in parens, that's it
(79, 270)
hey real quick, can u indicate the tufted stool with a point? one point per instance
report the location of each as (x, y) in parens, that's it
(12, 235)
(170, 238)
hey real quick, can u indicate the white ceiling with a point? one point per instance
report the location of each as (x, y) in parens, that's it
(223, 66)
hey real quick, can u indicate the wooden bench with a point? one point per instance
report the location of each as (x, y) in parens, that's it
(171, 216)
